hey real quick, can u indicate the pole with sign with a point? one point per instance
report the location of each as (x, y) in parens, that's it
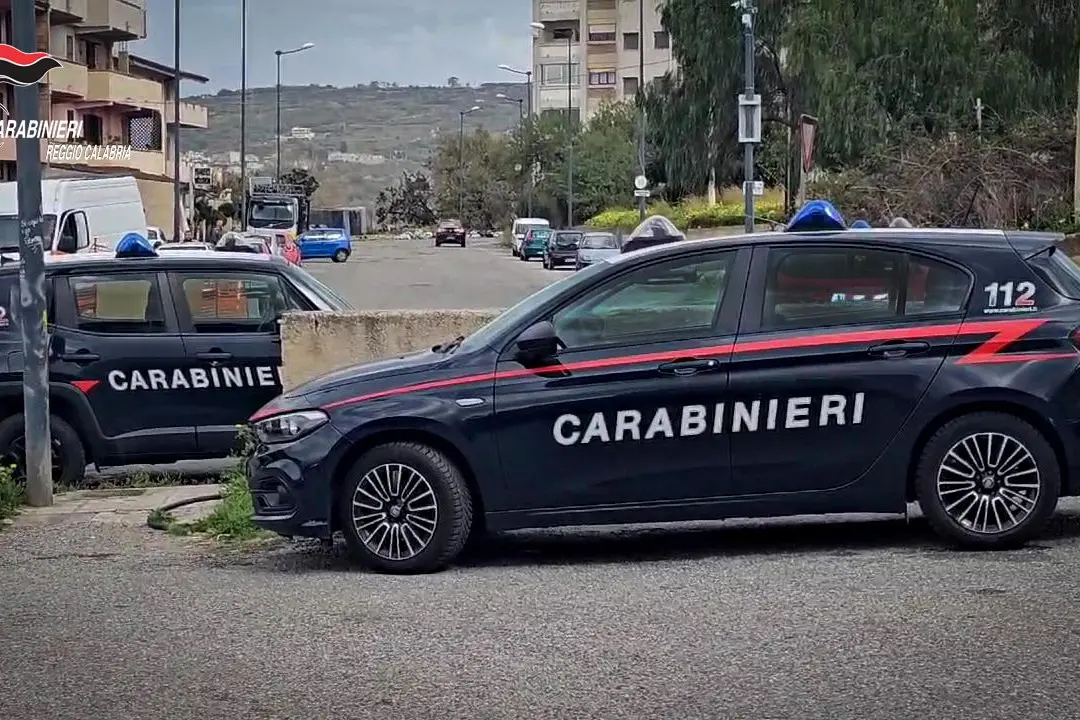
(807, 135)
(749, 109)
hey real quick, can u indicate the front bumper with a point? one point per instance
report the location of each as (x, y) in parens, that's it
(292, 485)
(562, 257)
(531, 252)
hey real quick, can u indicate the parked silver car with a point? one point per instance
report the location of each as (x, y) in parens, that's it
(594, 247)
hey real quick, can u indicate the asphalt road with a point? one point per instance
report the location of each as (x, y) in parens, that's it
(392, 274)
(861, 621)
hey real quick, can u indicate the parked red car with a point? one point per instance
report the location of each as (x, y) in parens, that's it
(288, 248)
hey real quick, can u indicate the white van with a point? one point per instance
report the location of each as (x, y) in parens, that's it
(81, 214)
(520, 227)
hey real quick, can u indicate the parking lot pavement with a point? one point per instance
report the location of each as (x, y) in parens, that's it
(738, 620)
(391, 274)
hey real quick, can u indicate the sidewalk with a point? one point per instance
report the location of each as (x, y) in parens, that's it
(120, 507)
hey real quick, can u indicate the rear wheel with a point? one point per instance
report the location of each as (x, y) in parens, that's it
(341, 256)
(988, 481)
(68, 453)
(405, 508)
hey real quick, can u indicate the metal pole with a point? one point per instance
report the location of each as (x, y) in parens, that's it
(642, 202)
(1076, 176)
(748, 151)
(528, 145)
(243, 114)
(278, 53)
(176, 124)
(569, 131)
(461, 168)
(32, 321)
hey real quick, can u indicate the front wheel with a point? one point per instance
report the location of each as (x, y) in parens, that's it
(405, 508)
(68, 453)
(988, 481)
(341, 256)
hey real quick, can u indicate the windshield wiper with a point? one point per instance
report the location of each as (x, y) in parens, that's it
(448, 347)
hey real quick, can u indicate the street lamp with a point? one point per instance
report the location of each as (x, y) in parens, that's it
(279, 53)
(520, 103)
(243, 115)
(528, 128)
(461, 161)
(570, 130)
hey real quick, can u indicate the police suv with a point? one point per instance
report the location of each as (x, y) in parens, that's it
(152, 359)
(816, 370)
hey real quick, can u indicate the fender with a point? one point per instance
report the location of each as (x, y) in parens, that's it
(81, 415)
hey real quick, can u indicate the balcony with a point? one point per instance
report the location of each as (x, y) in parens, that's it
(7, 150)
(554, 10)
(147, 161)
(555, 98)
(115, 20)
(70, 79)
(68, 12)
(191, 115)
(555, 51)
(123, 89)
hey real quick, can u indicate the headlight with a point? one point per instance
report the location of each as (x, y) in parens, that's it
(289, 426)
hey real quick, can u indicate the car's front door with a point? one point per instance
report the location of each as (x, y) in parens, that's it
(114, 337)
(837, 345)
(229, 323)
(626, 412)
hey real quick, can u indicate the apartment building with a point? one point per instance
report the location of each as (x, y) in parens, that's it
(589, 51)
(120, 98)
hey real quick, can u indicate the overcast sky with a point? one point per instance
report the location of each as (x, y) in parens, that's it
(418, 42)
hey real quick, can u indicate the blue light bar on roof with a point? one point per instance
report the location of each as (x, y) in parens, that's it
(860, 225)
(134, 245)
(816, 215)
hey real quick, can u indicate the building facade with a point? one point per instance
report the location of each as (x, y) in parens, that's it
(119, 97)
(589, 51)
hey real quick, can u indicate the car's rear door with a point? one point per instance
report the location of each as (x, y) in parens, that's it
(228, 320)
(836, 346)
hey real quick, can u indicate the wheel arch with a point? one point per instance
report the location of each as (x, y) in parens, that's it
(65, 402)
(424, 434)
(1007, 406)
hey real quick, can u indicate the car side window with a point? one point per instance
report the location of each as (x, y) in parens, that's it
(233, 302)
(679, 297)
(934, 287)
(118, 304)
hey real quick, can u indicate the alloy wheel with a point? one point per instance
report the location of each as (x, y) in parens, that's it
(394, 511)
(988, 483)
(16, 457)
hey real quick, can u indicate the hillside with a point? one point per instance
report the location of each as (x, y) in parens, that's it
(398, 123)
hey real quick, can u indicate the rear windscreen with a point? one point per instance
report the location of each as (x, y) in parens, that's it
(1059, 266)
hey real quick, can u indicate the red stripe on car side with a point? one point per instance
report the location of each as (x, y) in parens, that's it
(1004, 332)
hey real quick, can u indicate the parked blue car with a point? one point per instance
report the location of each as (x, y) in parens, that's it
(333, 243)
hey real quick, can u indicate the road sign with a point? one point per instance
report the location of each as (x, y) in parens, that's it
(641, 193)
(757, 187)
(202, 178)
(641, 182)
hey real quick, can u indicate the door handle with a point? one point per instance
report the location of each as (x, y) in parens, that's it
(80, 357)
(689, 366)
(893, 350)
(216, 356)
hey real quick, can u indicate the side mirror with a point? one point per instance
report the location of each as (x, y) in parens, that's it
(537, 342)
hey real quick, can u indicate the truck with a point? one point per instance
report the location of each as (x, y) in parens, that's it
(355, 221)
(274, 207)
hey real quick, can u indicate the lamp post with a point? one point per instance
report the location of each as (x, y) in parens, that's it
(461, 162)
(520, 103)
(642, 201)
(176, 124)
(243, 114)
(279, 53)
(570, 130)
(528, 128)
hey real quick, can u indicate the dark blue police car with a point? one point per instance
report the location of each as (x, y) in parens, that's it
(819, 370)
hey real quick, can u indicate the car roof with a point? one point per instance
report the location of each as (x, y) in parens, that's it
(974, 238)
(165, 261)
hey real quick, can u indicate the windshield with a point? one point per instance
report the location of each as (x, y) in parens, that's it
(565, 239)
(523, 228)
(600, 242)
(313, 286)
(489, 333)
(537, 237)
(450, 224)
(277, 215)
(9, 232)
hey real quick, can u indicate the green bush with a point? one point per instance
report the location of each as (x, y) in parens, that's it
(687, 215)
(12, 493)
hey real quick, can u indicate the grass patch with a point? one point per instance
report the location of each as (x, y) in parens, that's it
(12, 494)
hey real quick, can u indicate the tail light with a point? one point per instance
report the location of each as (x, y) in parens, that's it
(1074, 338)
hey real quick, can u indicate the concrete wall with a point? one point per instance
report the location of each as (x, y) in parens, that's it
(315, 343)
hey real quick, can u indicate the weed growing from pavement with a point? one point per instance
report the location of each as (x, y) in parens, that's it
(12, 493)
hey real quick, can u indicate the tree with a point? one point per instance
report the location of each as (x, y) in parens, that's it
(475, 178)
(343, 146)
(453, 81)
(302, 178)
(405, 204)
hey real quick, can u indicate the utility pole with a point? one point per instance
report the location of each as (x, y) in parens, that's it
(32, 322)
(177, 210)
(643, 202)
(243, 115)
(277, 175)
(528, 145)
(461, 169)
(1076, 171)
(749, 110)
(569, 131)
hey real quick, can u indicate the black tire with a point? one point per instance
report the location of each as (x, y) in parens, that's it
(69, 455)
(341, 256)
(438, 244)
(462, 242)
(453, 503)
(950, 518)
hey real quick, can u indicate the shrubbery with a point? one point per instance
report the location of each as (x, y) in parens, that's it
(694, 213)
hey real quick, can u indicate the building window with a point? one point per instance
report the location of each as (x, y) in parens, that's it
(91, 56)
(70, 50)
(563, 34)
(70, 116)
(631, 41)
(661, 41)
(555, 74)
(629, 86)
(601, 33)
(601, 77)
(144, 132)
(84, 52)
